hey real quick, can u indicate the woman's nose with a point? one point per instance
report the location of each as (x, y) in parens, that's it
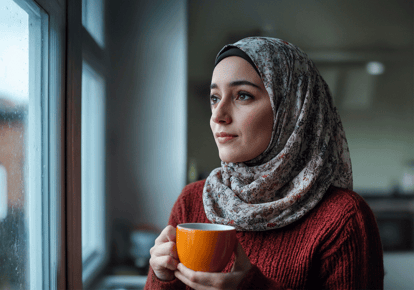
(221, 114)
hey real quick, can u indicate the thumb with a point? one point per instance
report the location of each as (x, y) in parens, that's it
(241, 261)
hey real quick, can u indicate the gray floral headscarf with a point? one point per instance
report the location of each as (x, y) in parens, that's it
(307, 153)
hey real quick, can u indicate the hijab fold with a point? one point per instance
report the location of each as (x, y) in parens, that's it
(307, 153)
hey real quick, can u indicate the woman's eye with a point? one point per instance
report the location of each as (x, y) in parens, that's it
(244, 97)
(213, 100)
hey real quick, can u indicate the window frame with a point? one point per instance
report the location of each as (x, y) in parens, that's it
(98, 252)
(72, 129)
(57, 115)
(60, 237)
(38, 135)
(65, 67)
(96, 58)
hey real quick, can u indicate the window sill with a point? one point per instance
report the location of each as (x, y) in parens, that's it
(122, 282)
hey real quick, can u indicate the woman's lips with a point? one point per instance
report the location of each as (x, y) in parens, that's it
(223, 137)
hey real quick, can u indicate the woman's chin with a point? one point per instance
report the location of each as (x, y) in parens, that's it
(226, 159)
(230, 159)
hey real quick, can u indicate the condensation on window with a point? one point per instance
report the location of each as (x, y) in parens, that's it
(14, 96)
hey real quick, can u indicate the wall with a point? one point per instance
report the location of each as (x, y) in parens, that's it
(147, 110)
(377, 112)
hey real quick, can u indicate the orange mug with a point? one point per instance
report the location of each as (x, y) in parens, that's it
(205, 247)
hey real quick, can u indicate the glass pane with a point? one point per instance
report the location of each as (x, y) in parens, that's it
(21, 85)
(92, 19)
(14, 96)
(93, 165)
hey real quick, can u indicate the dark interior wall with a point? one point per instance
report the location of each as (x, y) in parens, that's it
(147, 108)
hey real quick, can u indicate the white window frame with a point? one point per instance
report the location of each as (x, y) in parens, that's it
(55, 224)
(94, 187)
(36, 124)
(37, 150)
(95, 59)
(44, 154)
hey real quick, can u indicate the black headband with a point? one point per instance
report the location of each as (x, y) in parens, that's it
(234, 51)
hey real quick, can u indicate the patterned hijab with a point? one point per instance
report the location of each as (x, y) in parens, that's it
(307, 153)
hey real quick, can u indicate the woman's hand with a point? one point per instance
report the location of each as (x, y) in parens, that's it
(205, 280)
(164, 257)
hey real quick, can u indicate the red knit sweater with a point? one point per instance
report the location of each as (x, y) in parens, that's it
(335, 246)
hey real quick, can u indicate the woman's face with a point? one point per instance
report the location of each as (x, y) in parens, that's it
(242, 117)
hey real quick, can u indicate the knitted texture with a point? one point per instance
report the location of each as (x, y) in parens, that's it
(335, 246)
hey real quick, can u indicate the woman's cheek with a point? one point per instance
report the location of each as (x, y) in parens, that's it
(259, 128)
(249, 120)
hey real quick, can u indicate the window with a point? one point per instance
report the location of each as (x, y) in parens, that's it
(92, 19)
(25, 231)
(94, 245)
(38, 247)
(42, 156)
(93, 169)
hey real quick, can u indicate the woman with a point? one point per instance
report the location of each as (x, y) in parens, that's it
(285, 182)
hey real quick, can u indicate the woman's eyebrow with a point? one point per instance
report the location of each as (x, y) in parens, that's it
(237, 83)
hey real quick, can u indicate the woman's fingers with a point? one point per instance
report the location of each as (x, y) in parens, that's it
(192, 278)
(164, 257)
(206, 280)
(168, 248)
(163, 262)
(167, 235)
